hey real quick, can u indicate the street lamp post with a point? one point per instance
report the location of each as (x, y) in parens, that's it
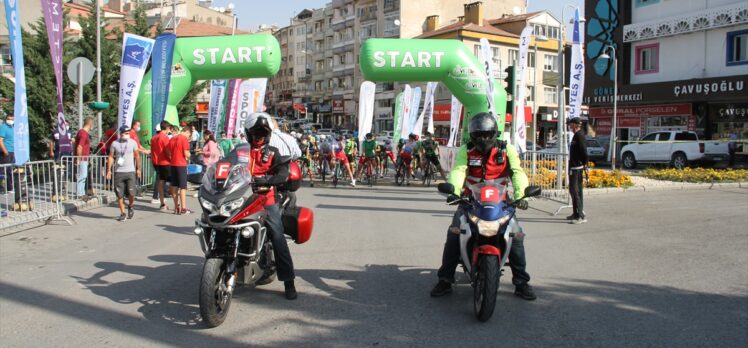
(613, 129)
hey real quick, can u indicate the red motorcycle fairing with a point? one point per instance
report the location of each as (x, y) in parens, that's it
(257, 205)
(485, 250)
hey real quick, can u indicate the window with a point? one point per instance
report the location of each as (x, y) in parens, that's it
(530, 93)
(300, 60)
(663, 136)
(368, 31)
(513, 57)
(686, 136)
(531, 59)
(550, 96)
(476, 51)
(300, 46)
(300, 31)
(390, 5)
(737, 47)
(550, 63)
(647, 57)
(641, 3)
(650, 137)
(390, 28)
(553, 33)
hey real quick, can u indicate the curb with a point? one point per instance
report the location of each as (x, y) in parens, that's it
(639, 189)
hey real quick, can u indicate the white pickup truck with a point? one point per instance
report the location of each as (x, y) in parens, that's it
(677, 148)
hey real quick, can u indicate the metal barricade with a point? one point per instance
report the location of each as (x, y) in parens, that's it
(147, 172)
(84, 177)
(543, 169)
(29, 193)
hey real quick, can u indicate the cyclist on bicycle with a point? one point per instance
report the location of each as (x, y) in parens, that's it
(407, 152)
(430, 151)
(338, 149)
(417, 155)
(385, 151)
(369, 148)
(351, 149)
(325, 154)
(306, 157)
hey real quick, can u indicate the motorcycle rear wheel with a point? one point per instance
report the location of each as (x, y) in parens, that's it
(214, 299)
(486, 286)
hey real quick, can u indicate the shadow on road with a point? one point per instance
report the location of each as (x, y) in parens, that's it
(394, 210)
(177, 229)
(379, 198)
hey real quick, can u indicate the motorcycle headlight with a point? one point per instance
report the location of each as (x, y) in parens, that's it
(228, 207)
(207, 205)
(489, 228)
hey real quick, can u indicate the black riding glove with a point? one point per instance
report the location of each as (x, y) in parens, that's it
(452, 197)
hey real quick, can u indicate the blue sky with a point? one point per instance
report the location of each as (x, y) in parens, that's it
(252, 13)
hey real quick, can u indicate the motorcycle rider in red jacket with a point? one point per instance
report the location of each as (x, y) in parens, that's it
(268, 170)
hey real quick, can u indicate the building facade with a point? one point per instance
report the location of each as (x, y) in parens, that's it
(680, 66)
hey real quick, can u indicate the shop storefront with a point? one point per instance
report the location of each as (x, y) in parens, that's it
(729, 122)
(633, 122)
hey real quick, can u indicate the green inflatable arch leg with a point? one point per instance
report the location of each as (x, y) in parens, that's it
(446, 61)
(209, 58)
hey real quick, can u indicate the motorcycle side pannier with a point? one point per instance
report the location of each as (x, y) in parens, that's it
(298, 223)
(294, 177)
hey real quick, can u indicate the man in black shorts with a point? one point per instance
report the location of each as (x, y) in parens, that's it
(123, 155)
(161, 163)
(179, 155)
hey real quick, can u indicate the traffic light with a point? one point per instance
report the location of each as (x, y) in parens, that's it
(511, 86)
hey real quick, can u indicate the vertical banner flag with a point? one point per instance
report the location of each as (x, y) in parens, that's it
(487, 58)
(52, 10)
(231, 107)
(414, 106)
(163, 53)
(136, 52)
(366, 109)
(454, 122)
(20, 111)
(428, 110)
(520, 130)
(222, 110)
(405, 113)
(217, 92)
(251, 99)
(398, 116)
(576, 84)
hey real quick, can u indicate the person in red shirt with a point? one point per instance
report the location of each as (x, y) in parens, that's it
(178, 153)
(161, 162)
(82, 151)
(268, 170)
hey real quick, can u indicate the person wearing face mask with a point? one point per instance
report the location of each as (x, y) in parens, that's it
(123, 162)
(6, 147)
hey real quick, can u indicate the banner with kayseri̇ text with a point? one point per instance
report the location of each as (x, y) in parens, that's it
(52, 10)
(136, 52)
(232, 104)
(520, 129)
(216, 104)
(576, 76)
(251, 99)
(487, 59)
(163, 54)
(428, 110)
(414, 106)
(20, 107)
(366, 109)
(454, 122)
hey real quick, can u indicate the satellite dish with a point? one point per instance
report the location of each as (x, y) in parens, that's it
(516, 10)
(397, 22)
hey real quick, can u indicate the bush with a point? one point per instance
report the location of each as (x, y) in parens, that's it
(698, 174)
(601, 178)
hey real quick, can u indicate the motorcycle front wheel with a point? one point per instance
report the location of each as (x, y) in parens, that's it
(486, 286)
(215, 299)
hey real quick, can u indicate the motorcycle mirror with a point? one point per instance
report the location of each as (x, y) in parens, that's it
(446, 187)
(532, 191)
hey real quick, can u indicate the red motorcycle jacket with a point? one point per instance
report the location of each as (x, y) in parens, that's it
(265, 164)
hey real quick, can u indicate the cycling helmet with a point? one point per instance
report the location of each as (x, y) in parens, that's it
(427, 135)
(483, 131)
(412, 136)
(369, 136)
(258, 129)
(402, 141)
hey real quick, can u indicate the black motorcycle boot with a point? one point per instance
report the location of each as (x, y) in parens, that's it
(290, 290)
(525, 291)
(442, 288)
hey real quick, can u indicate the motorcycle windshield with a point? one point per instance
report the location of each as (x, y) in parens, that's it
(488, 197)
(226, 177)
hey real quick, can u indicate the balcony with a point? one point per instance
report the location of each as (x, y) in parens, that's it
(392, 6)
(343, 41)
(342, 67)
(712, 18)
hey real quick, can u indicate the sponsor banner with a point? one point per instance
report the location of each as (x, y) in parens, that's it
(454, 123)
(576, 75)
(217, 98)
(397, 117)
(428, 110)
(161, 59)
(414, 106)
(251, 99)
(136, 52)
(20, 107)
(231, 106)
(487, 59)
(520, 132)
(366, 109)
(404, 120)
(52, 10)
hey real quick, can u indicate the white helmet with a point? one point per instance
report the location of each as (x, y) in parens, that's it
(258, 124)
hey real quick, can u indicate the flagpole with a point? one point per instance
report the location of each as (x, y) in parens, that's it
(98, 63)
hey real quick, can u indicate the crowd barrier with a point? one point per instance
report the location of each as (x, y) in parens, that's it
(36, 191)
(548, 170)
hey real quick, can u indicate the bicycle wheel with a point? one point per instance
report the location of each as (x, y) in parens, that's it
(400, 174)
(335, 175)
(369, 172)
(428, 171)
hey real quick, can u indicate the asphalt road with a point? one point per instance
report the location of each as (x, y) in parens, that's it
(649, 269)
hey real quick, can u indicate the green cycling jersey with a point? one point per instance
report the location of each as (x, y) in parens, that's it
(369, 147)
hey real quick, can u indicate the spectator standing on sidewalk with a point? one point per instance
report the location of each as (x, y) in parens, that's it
(123, 157)
(178, 153)
(161, 163)
(61, 144)
(195, 139)
(226, 145)
(210, 151)
(6, 146)
(577, 169)
(82, 151)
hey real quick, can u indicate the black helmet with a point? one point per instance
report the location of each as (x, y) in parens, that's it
(369, 136)
(483, 131)
(412, 136)
(257, 127)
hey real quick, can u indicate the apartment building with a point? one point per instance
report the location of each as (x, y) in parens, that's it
(680, 65)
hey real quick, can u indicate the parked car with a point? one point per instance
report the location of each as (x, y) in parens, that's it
(676, 148)
(595, 151)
